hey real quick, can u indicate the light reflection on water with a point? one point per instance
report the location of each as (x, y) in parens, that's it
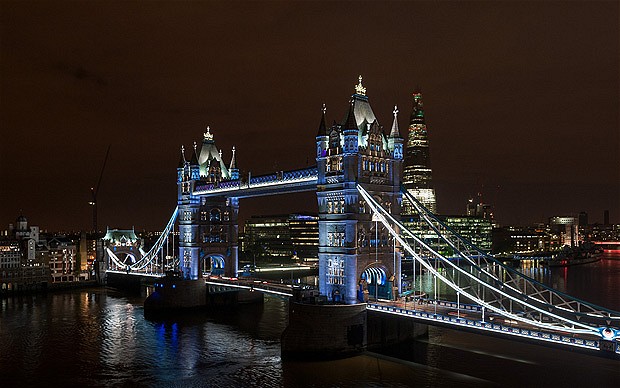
(100, 337)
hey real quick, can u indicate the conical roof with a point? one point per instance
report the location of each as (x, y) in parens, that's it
(194, 161)
(209, 151)
(182, 158)
(350, 122)
(395, 132)
(233, 162)
(322, 127)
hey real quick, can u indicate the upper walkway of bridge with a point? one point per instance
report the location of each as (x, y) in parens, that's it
(280, 182)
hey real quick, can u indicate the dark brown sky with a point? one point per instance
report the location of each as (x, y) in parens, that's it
(521, 97)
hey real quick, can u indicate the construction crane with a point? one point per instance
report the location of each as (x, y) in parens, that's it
(95, 190)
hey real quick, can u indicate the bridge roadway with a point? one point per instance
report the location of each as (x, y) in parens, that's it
(439, 313)
(470, 318)
(252, 285)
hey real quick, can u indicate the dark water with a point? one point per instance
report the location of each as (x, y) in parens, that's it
(100, 337)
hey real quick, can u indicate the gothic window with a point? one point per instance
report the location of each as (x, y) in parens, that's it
(335, 271)
(361, 238)
(342, 209)
(362, 206)
(203, 216)
(335, 239)
(330, 207)
(226, 216)
(215, 215)
(187, 258)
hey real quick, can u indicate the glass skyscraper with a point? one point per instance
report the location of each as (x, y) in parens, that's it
(417, 173)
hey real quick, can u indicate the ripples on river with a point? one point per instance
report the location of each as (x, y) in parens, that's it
(99, 337)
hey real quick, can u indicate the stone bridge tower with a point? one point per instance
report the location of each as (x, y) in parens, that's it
(208, 226)
(357, 259)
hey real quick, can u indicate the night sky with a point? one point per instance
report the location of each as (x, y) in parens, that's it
(522, 100)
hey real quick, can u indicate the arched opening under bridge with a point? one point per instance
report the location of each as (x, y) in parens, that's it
(213, 264)
(375, 284)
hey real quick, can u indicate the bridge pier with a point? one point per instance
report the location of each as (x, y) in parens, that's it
(222, 296)
(343, 330)
(127, 283)
(386, 330)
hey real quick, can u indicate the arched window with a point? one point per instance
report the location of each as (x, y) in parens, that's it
(215, 215)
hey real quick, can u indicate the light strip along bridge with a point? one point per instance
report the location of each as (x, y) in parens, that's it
(542, 313)
(277, 183)
(252, 285)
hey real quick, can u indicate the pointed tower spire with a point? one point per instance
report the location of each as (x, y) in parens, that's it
(182, 158)
(234, 171)
(322, 127)
(395, 132)
(233, 163)
(194, 161)
(350, 122)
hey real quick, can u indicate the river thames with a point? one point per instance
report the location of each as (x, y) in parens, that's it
(100, 338)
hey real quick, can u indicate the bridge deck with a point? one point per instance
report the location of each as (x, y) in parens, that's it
(252, 285)
(470, 318)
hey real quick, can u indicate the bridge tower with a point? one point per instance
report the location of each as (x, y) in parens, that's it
(208, 226)
(357, 258)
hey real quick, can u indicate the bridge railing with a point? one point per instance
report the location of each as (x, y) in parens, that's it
(514, 281)
(481, 283)
(591, 344)
(149, 259)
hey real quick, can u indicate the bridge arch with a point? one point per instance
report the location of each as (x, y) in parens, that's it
(213, 264)
(375, 282)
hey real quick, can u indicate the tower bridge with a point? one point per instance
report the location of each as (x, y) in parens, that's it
(357, 180)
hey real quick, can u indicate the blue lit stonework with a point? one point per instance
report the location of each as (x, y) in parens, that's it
(356, 255)
(357, 260)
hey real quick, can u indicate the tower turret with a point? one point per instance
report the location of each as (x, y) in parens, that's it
(181, 165)
(210, 151)
(395, 142)
(194, 165)
(350, 131)
(322, 136)
(353, 261)
(234, 171)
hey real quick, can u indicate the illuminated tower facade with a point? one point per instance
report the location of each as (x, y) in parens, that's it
(417, 173)
(356, 256)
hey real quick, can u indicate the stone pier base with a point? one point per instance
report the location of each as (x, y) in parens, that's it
(386, 330)
(336, 331)
(324, 331)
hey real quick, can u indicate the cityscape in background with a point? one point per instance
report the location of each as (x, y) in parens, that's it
(33, 259)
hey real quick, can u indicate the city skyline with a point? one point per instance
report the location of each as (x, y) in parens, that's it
(517, 100)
